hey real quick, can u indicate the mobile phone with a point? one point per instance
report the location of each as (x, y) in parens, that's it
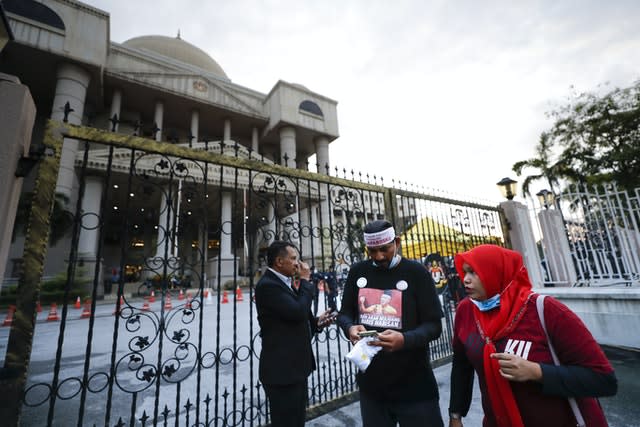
(363, 334)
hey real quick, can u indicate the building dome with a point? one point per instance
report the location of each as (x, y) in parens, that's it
(179, 50)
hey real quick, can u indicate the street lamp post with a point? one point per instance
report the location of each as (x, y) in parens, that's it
(545, 197)
(507, 187)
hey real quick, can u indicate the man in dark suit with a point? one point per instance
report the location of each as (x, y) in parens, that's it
(286, 328)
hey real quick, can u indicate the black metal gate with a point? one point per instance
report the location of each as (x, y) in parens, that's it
(165, 247)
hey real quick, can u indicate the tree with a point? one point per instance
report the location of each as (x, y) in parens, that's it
(594, 139)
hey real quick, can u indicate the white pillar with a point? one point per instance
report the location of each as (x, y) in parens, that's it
(226, 137)
(17, 115)
(157, 118)
(322, 154)
(195, 124)
(90, 231)
(556, 248)
(116, 105)
(71, 87)
(288, 146)
(255, 142)
(270, 228)
(226, 261)
(225, 233)
(164, 230)
(522, 239)
(88, 240)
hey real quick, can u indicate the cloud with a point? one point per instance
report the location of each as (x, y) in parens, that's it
(464, 84)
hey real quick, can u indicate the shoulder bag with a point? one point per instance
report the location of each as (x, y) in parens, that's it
(572, 401)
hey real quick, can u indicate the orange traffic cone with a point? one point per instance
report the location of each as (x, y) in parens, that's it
(239, 296)
(167, 302)
(53, 313)
(145, 306)
(188, 304)
(86, 313)
(77, 304)
(225, 298)
(206, 293)
(152, 298)
(9, 319)
(38, 307)
(181, 295)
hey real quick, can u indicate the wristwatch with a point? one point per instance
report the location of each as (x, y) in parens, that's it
(455, 416)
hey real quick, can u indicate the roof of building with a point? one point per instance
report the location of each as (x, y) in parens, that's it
(177, 49)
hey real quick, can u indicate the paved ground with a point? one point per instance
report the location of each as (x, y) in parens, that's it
(622, 410)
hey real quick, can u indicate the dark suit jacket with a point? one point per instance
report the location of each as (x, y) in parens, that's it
(286, 325)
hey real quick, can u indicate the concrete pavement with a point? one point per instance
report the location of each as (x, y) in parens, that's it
(621, 410)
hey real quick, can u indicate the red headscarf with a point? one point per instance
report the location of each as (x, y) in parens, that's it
(501, 271)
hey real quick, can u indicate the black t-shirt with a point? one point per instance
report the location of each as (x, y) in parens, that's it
(402, 298)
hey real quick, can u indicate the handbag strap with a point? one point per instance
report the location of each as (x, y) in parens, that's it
(572, 402)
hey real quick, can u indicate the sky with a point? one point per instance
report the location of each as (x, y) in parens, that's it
(445, 95)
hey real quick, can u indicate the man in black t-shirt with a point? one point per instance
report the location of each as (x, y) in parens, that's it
(398, 386)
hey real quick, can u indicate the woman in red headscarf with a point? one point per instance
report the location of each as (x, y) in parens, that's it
(497, 333)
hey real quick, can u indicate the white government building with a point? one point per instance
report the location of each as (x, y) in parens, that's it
(154, 86)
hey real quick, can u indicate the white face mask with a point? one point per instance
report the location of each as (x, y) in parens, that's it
(488, 304)
(394, 261)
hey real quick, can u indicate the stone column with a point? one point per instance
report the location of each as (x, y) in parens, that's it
(226, 258)
(116, 103)
(556, 248)
(164, 242)
(91, 222)
(270, 227)
(195, 124)
(225, 235)
(165, 221)
(522, 239)
(157, 118)
(322, 154)
(255, 142)
(71, 87)
(287, 146)
(17, 115)
(226, 137)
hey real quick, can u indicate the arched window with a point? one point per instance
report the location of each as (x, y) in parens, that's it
(35, 11)
(311, 107)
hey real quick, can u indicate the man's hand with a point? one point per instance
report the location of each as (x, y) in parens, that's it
(389, 340)
(515, 368)
(304, 272)
(353, 333)
(326, 318)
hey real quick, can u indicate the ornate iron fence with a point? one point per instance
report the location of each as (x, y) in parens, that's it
(597, 235)
(178, 232)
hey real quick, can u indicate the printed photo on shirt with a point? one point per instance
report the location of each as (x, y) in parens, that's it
(380, 308)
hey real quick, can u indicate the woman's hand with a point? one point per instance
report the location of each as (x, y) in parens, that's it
(515, 368)
(455, 422)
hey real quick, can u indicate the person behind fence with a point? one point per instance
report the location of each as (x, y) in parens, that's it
(327, 279)
(398, 385)
(501, 331)
(286, 327)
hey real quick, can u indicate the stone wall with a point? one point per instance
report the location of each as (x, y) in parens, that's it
(612, 315)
